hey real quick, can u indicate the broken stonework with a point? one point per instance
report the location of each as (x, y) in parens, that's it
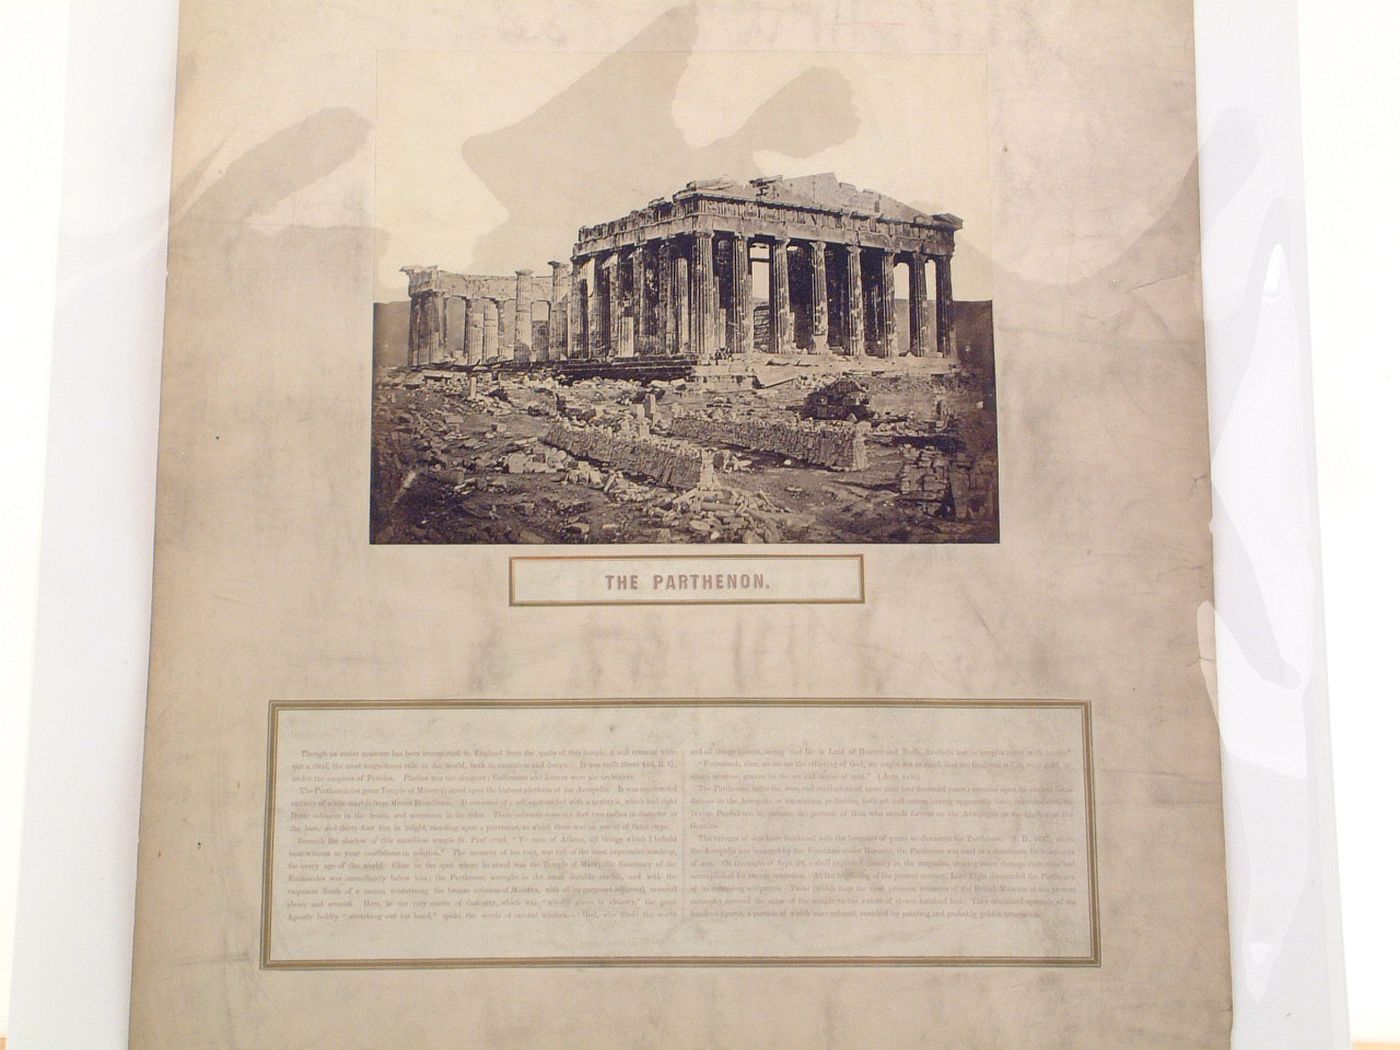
(671, 463)
(840, 446)
(948, 485)
(924, 478)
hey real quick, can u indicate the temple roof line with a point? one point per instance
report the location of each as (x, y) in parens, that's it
(822, 191)
(810, 207)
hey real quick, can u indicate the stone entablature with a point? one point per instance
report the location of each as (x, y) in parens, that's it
(423, 279)
(747, 209)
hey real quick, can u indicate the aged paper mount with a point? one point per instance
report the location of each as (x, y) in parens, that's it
(680, 833)
(913, 288)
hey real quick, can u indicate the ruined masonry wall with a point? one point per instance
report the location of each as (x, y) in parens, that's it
(667, 463)
(840, 446)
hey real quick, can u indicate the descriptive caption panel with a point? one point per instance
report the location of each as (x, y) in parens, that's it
(685, 832)
(825, 579)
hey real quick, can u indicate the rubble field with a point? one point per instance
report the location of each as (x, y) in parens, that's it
(528, 458)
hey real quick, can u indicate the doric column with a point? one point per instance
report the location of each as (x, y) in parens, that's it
(558, 311)
(444, 343)
(889, 333)
(432, 315)
(613, 266)
(705, 295)
(447, 353)
(426, 328)
(597, 318)
(427, 322)
(780, 328)
(505, 308)
(546, 351)
(434, 323)
(490, 329)
(427, 315)
(524, 328)
(640, 337)
(681, 288)
(741, 316)
(855, 302)
(819, 318)
(665, 296)
(476, 320)
(626, 297)
(416, 340)
(918, 306)
(943, 303)
(577, 299)
(505, 323)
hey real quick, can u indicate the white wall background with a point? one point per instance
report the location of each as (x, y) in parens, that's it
(33, 69)
(1351, 170)
(104, 272)
(1284, 929)
(105, 269)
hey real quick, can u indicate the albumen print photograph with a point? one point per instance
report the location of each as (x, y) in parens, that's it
(683, 297)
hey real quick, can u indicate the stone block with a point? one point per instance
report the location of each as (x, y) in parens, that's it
(839, 446)
(674, 464)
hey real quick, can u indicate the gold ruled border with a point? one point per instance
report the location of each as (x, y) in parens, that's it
(276, 707)
(858, 558)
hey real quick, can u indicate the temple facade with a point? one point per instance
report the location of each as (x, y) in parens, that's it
(477, 319)
(676, 279)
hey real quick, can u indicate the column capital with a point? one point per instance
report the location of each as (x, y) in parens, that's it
(524, 273)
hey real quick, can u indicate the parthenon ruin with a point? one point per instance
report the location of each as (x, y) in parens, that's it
(475, 320)
(675, 280)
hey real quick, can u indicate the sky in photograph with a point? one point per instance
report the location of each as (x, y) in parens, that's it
(487, 162)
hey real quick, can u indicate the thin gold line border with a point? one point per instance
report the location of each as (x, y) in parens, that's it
(276, 707)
